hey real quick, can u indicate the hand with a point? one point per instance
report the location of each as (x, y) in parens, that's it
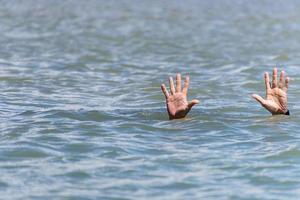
(276, 95)
(177, 104)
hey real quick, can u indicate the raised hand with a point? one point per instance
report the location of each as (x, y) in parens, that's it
(177, 104)
(276, 94)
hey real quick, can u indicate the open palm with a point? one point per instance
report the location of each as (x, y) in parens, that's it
(177, 104)
(276, 94)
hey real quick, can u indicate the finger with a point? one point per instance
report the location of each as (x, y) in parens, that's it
(281, 80)
(165, 91)
(274, 82)
(259, 99)
(192, 103)
(172, 87)
(287, 81)
(178, 83)
(186, 85)
(267, 81)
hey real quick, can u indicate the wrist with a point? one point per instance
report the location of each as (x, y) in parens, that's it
(282, 112)
(177, 115)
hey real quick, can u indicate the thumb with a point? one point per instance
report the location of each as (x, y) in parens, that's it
(192, 103)
(259, 99)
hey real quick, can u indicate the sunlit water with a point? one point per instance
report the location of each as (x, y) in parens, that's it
(83, 117)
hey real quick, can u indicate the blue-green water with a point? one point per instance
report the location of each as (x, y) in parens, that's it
(83, 117)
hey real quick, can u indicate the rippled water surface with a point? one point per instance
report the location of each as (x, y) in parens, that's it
(83, 117)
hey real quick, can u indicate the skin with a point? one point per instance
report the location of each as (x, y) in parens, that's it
(276, 94)
(177, 103)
